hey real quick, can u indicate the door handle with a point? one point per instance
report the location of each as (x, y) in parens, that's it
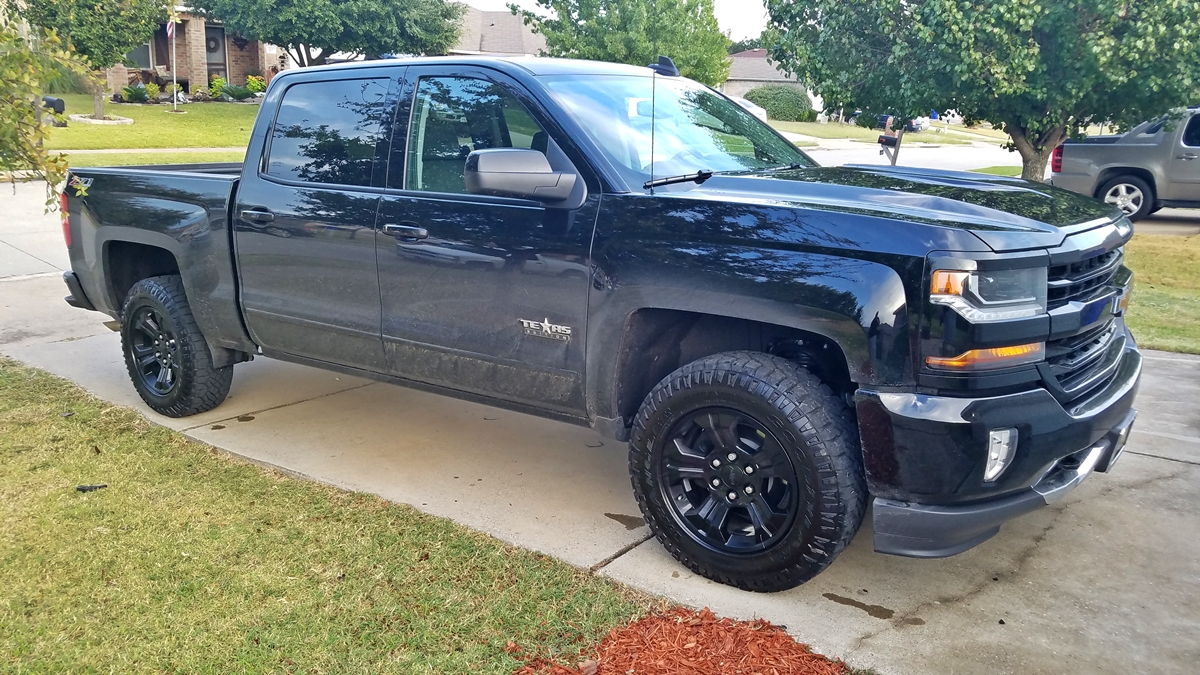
(257, 216)
(1187, 156)
(405, 231)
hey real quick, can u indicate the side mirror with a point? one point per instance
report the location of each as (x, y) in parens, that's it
(515, 172)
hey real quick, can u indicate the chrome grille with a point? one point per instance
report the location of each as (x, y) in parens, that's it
(1077, 280)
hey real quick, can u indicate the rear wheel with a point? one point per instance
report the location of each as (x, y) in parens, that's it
(1131, 194)
(747, 469)
(165, 353)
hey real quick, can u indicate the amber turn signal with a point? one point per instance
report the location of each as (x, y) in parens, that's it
(994, 357)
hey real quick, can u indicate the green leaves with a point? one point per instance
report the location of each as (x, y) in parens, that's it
(103, 31)
(1040, 69)
(627, 31)
(26, 67)
(313, 30)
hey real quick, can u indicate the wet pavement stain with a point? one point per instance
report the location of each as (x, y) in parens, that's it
(245, 418)
(913, 621)
(630, 522)
(877, 611)
(216, 427)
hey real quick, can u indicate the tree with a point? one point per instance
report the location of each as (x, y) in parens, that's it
(627, 31)
(102, 31)
(314, 30)
(1041, 70)
(745, 45)
(27, 65)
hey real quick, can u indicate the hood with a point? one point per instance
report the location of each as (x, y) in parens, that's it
(1005, 213)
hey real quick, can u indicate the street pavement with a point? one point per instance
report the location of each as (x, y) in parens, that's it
(1107, 581)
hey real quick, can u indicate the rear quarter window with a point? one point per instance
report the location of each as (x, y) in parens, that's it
(1191, 135)
(327, 132)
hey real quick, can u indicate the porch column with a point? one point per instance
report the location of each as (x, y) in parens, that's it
(196, 66)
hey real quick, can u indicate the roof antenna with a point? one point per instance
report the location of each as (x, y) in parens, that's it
(653, 92)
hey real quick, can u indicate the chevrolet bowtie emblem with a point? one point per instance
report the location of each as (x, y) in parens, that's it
(545, 329)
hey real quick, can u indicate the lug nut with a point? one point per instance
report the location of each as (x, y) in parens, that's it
(716, 482)
(749, 489)
(749, 470)
(732, 496)
(731, 457)
(716, 463)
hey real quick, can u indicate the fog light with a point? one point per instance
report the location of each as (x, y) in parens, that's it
(1002, 445)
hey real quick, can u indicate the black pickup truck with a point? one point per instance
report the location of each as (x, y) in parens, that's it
(622, 248)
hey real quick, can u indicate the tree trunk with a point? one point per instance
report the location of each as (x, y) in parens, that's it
(1035, 153)
(1034, 168)
(99, 85)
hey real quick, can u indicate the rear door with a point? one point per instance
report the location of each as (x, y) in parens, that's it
(481, 294)
(1184, 170)
(304, 221)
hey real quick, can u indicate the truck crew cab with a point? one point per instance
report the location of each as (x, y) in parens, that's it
(624, 249)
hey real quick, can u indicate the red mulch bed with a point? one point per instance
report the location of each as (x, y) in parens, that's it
(683, 641)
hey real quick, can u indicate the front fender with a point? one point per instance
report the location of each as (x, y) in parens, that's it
(857, 304)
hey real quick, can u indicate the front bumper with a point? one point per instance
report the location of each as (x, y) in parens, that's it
(925, 456)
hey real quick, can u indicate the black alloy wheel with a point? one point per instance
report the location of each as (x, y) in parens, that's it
(166, 354)
(748, 470)
(155, 350)
(729, 482)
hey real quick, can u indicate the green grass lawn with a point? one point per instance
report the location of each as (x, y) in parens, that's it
(1165, 310)
(1000, 170)
(131, 158)
(191, 561)
(835, 130)
(206, 125)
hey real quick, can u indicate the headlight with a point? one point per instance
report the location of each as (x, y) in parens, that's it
(991, 295)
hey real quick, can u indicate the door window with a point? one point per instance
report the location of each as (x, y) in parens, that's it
(453, 116)
(326, 132)
(1191, 135)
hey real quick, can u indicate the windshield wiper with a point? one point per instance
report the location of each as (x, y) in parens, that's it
(698, 178)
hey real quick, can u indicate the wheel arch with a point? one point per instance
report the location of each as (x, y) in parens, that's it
(1112, 172)
(658, 341)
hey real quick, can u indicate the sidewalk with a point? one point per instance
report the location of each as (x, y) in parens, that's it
(1106, 581)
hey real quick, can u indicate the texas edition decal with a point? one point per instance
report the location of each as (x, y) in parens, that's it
(545, 329)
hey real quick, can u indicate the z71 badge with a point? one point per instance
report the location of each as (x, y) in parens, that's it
(545, 329)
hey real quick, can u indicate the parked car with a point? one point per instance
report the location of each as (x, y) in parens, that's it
(1153, 166)
(756, 110)
(777, 341)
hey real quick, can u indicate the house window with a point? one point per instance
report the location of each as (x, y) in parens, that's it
(141, 57)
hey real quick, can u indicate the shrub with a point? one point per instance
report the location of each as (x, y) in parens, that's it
(237, 93)
(783, 103)
(199, 94)
(217, 85)
(136, 94)
(152, 92)
(256, 83)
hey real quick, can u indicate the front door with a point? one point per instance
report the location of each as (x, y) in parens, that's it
(214, 52)
(1184, 169)
(480, 294)
(305, 223)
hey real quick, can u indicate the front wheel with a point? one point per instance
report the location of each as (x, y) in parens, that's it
(165, 353)
(747, 469)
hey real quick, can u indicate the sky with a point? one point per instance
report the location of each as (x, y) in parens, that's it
(739, 18)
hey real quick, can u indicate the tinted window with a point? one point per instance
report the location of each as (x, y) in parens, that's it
(453, 116)
(326, 132)
(1191, 135)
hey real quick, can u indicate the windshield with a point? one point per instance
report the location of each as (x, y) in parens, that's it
(694, 128)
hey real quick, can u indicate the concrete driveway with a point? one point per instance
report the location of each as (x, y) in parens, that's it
(1107, 581)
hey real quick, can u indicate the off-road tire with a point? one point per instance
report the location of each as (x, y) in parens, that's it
(817, 432)
(1132, 182)
(199, 387)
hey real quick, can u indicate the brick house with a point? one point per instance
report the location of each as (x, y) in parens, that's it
(203, 50)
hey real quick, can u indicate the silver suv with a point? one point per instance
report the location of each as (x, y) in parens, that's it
(1155, 165)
